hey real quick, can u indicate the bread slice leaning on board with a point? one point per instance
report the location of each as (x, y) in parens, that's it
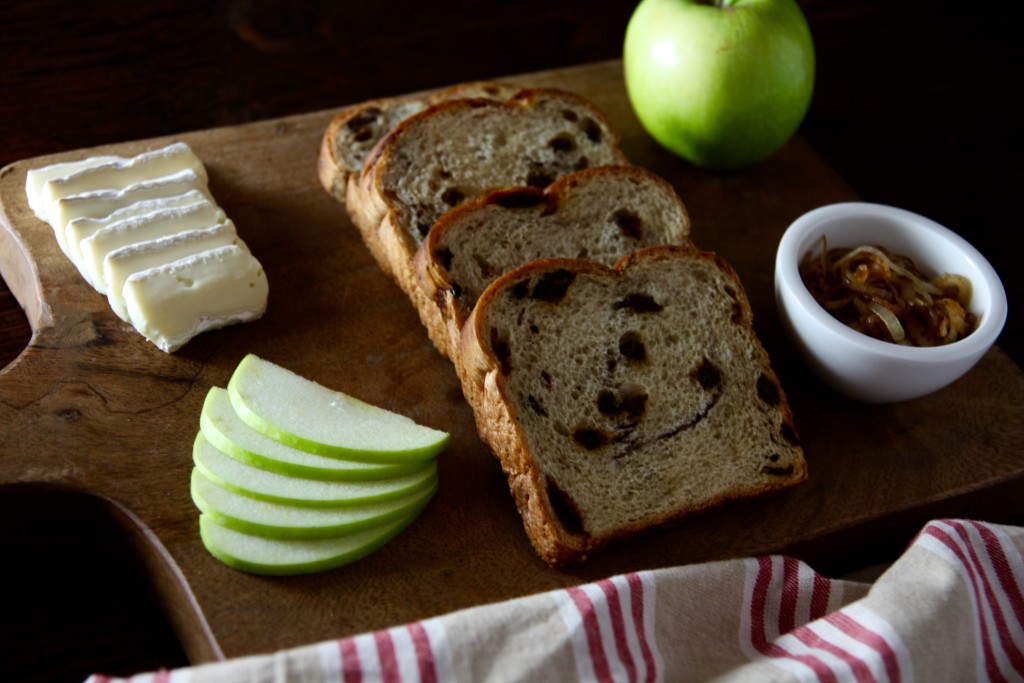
(354, 131)
(461, 149)
(620, 399)
(600, 214)
(612, 367)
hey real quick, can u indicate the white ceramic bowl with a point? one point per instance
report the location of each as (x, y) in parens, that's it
(853, 363)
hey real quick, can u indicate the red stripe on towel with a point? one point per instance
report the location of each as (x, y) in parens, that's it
(861, 671)
(986, 591)
(593, 632)
(991, 666)
(619, 627)
(1001, 563)
(636, 605)
(389, 671)
(820, 594)
(858, 631)
(758, 632)
(424, 653)
(790, 594)
(351, 669)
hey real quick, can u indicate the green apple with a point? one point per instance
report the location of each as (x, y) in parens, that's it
(278, 488)
(274, 556)
(722, 83)
(305, 415)
(275, 520)
(222, 427)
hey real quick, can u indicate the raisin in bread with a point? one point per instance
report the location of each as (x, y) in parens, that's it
(618, 399)
(600, 214)
(354, 131)
(461, 149)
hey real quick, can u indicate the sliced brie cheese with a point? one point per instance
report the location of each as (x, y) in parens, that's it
(161, 223)
(37, 177)
(121, 263)
(146, 232)
(171, 304)
(99, 203)
(121, 173)
(80, 228)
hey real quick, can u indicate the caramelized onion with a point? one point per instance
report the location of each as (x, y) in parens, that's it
(886, 296)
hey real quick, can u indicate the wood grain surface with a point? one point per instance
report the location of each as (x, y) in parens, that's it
(91, 407)
(913, 106)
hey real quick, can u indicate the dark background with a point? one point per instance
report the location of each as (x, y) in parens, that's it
(916, 105)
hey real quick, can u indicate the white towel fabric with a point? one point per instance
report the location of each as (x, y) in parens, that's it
(951, 608)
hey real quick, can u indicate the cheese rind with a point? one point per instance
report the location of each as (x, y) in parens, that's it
(82, 228)
(124, 262)
(37, 177)
(140, 229)
(145, 231)
(171, 304)
(123, 172)
(100, 203)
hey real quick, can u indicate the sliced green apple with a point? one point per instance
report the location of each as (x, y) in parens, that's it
(305, 415)
(223, 428)
(278, 488)
(275, 520)
(273, 556)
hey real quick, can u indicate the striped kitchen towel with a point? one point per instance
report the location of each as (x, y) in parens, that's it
(951, 608)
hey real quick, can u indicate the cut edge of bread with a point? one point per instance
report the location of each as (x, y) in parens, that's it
(459, 340)
(481, 378)
(446, 311)
(377, 220)
(332, 169)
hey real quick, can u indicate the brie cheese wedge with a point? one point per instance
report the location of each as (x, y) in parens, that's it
(37, 177)
(123, 172)
(81, 228)
(146, 232)
(140, 229)
(172, 303)
(100, 203)
(124, 262)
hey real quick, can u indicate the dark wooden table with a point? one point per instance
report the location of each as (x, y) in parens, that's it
(912, 107)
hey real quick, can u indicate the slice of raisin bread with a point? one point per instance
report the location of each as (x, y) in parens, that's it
(619, 399)
(461, 149)
(354, 131)
(600, 214)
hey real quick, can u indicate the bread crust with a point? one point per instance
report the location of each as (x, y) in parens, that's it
(340, 137)
(462, 335)
(449, 311)
(332, 168)
(376, 213)
(484, 386)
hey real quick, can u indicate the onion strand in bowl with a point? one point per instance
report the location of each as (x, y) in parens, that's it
(886, 296)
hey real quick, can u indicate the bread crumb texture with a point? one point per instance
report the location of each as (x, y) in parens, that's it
(463, 149)
(640, 395)
(600, 214)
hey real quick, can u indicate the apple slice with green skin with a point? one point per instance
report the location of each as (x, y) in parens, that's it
(305, 415)
(274, 520)
(223, 428)
(278, 488)
(274, 556)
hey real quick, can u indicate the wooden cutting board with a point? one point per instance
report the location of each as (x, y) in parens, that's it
(91, 407)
